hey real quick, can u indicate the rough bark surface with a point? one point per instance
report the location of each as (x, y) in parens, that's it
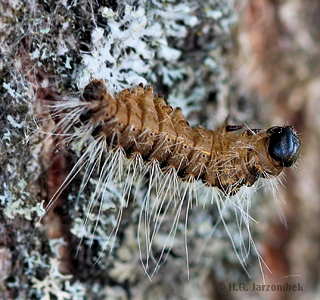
(258, 62)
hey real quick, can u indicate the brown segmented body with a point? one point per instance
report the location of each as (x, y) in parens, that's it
(141, 123)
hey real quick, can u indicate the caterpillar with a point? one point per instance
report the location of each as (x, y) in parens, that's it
(137, 133)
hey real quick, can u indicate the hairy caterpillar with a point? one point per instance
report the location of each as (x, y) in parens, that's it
(137, 133)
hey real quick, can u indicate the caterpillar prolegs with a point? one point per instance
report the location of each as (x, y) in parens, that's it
(135, 133)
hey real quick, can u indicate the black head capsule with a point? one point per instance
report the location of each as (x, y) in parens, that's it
(284, 145)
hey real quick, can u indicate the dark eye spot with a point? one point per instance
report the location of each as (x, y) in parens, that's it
(133, 129)
(203, 155)
(185, 146)
(119, 124)
(95, 90)
(168, 139)
(151, 134)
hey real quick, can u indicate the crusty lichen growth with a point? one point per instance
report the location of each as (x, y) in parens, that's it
(179, 47)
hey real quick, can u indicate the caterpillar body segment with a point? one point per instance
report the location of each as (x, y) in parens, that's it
(227, 158)
(167, 135)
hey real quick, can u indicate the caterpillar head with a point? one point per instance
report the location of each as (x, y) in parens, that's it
(284, 145)
(278, 147)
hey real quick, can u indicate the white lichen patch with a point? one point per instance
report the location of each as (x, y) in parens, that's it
(54, 284)
(135, 46)
(17, 208)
